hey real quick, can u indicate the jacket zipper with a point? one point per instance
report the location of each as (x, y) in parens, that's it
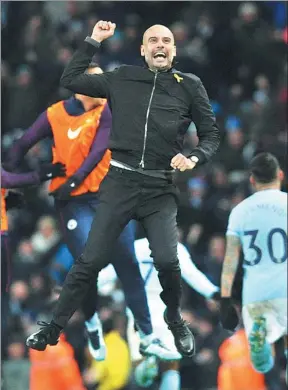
(141, 164)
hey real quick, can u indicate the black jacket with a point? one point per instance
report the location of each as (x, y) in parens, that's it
(151, 112)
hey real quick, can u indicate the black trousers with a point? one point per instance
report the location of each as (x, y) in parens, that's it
(126, 195)
(76, 216)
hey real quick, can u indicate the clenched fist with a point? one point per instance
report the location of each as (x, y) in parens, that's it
(103, 30)
(182, 163)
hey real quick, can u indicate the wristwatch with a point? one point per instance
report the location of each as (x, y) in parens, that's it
(194, 159)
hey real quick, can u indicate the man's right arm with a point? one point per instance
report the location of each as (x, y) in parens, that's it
(76, 80)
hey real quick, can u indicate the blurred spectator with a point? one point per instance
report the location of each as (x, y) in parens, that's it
(236, 370)
(46, 235)
(16, 367)
(55, 368)
(114, 372)
(22, 98)
(214, 259)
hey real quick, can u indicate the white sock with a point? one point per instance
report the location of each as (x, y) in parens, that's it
(93, 324)
(170, 380)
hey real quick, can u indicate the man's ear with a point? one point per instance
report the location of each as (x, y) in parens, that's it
(142, 51)
(174, 51)
(281, 175)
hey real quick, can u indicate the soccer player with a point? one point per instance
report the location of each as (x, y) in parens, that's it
(258, 227)
(147, 370)
(80, 129)
(152, 107)
(9, 200)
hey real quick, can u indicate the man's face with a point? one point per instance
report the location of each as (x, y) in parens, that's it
(158, 47)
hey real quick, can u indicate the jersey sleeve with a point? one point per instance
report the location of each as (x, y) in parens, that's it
(193, 276)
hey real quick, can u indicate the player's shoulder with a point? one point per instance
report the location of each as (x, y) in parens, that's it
(243, 205)
(283, 196)
(56, 105)
(56, 109)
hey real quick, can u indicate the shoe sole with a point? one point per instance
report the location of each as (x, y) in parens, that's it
(185, 355)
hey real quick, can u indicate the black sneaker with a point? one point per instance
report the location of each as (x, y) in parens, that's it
(47, 335)
(183, 337)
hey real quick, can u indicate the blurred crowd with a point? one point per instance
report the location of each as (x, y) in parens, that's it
(239, 51)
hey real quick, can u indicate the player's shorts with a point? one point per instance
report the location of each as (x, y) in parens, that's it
(275, 313)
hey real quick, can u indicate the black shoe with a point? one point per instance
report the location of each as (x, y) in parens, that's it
(47, 335)
(183, 337)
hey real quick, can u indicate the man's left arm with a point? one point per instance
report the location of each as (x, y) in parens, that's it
(205, 122)
(207, 130)
(97, 151)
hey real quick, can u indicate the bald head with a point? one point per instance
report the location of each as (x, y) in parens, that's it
(156, 29)
(158, 47)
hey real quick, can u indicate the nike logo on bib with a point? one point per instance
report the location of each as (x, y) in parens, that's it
(72, 134)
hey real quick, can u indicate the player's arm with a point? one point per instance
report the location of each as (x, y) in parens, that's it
(193, 276)
(17, 180)
(97, 151)
(12, 180)
(230, 265)
(228, 313)
(99, 146)
(38, 131)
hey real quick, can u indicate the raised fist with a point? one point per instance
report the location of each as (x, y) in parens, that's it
(103, 30)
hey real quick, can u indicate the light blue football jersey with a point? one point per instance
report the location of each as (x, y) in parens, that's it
(260, 222)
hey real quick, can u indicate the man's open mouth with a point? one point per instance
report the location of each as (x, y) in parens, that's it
(159, 54)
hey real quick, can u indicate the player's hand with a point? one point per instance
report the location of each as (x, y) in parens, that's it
(228, 314)
(182, 163)
(49, 171)
(64, 191)
(103, 30)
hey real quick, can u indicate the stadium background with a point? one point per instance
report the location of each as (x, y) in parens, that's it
(238, 49)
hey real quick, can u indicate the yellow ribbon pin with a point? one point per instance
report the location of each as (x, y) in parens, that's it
(178, 78)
